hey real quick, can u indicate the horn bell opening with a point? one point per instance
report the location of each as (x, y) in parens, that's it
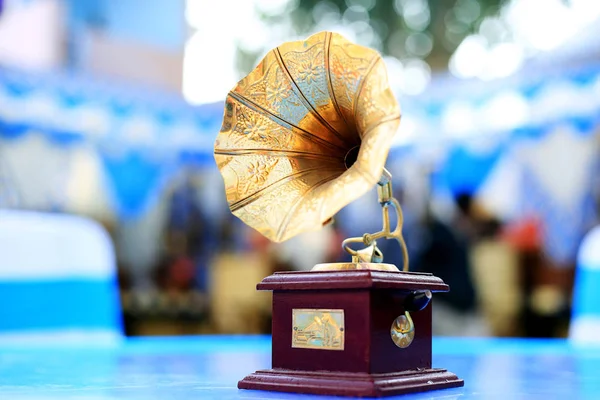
(305, 133)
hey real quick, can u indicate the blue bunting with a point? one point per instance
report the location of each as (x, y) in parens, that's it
(136, 180)
(63, 137)
(10, 130)
(464, 171)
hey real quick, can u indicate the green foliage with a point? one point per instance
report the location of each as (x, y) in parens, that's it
(426, 29)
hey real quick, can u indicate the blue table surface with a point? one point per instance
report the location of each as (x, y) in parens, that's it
(208, 367)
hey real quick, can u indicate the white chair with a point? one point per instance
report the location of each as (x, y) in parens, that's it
(58, 280)
(585, 320)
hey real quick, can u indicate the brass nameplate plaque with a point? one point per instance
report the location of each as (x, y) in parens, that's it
(318, 329)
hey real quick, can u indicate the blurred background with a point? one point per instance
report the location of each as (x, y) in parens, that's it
(109, 110)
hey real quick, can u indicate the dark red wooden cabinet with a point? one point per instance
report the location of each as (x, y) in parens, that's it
(370, 364)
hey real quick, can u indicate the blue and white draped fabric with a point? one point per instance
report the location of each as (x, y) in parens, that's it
(557, 174)
(145, 127)
(585, 321)
(555, 116)
(57, 280)
(136, 129)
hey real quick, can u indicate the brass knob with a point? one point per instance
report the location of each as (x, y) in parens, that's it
(403, 331)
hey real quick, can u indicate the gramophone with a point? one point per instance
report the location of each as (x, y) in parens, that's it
(303, 135)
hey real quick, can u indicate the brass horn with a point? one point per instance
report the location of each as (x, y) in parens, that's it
(306, 133)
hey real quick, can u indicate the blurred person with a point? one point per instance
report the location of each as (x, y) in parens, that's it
(177, 300)
(495, 270)
(241, 262)
(544, 285)
(445, 253)
(187, 232)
